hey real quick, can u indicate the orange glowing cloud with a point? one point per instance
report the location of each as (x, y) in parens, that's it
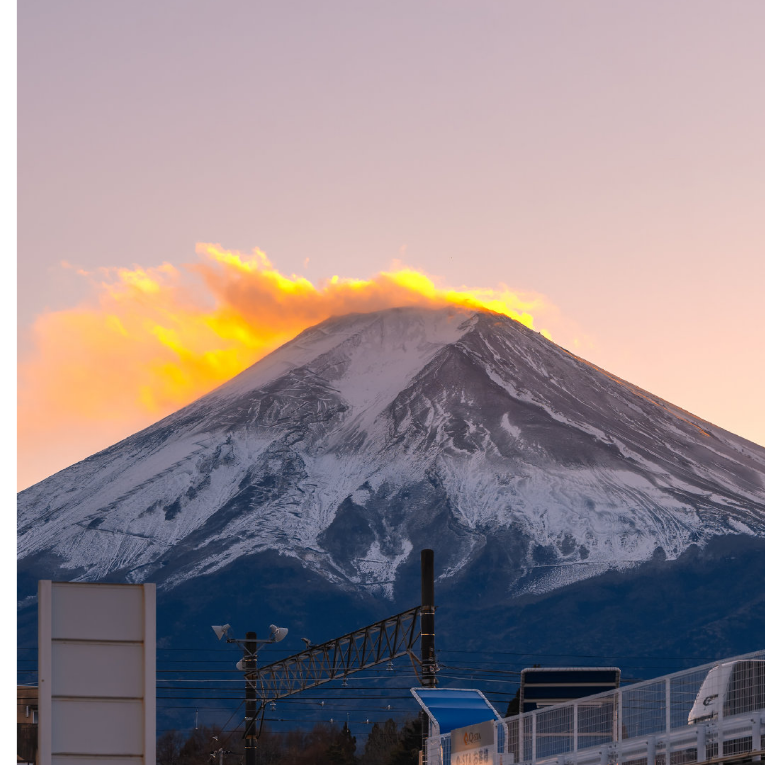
(154, 339)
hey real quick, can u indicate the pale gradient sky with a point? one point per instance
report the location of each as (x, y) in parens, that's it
(609, 155)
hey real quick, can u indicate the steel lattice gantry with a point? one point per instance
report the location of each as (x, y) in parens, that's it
(377, 643)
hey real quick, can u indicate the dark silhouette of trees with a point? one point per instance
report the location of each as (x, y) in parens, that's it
(407, 750)
(198, 747)
(323, 744)
(382, 740)
(514, 705)
(342, 751)
(169, 748)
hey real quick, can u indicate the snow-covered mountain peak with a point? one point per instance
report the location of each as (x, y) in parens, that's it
(371, 435)
(361, 347)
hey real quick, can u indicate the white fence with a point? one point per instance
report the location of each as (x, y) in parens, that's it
(713, 711)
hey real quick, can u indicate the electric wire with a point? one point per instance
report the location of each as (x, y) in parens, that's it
(481, 670)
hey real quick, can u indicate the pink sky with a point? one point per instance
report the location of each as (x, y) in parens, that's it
(606, 155)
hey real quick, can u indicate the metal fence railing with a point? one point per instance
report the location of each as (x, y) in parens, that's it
(713, 711)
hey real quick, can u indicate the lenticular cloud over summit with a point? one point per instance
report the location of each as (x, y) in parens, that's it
(370, 436)
(153, 339)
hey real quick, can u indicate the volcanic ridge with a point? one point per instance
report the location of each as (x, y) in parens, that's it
(371, 436)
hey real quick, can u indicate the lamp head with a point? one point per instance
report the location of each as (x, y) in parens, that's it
(278, 633)
(221, 629)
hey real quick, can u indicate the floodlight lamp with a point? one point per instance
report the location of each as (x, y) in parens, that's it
(221, 629)
(240, 665)
(278, 633)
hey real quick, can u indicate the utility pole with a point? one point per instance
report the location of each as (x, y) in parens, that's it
(428, 619)
(428, 638)
(250, 664)
(369, 646)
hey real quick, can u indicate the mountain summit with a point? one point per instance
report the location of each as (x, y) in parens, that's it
(370, 436)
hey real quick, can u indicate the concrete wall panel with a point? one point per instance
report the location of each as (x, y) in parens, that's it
(78, 759)
(97, 612)
(97, 673)
(98, 669)
(101, 727)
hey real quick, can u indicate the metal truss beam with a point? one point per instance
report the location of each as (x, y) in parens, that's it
(375, 644)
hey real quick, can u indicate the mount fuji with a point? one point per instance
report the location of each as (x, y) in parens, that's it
(314, 478)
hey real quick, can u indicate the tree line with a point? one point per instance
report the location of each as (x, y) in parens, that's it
(323, 744)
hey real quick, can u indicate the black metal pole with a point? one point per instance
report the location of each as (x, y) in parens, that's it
(251, 698)
(428, 620)
(427, 639)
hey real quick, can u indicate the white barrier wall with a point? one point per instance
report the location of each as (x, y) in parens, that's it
(97, 673)
(711, 712)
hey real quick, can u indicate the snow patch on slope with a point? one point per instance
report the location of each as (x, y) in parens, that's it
(440, 427)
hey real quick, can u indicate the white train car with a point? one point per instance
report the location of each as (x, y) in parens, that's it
(729, 689)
